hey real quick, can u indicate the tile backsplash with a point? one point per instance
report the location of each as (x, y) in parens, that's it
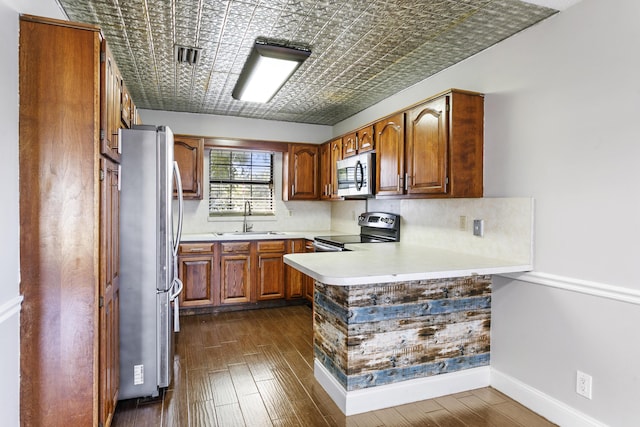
(508, 223)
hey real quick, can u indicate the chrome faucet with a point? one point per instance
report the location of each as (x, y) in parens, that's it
(247, 211)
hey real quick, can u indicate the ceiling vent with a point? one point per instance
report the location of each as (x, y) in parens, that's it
(187, 55)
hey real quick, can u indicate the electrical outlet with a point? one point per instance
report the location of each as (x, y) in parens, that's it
(462, 225)
(583, 384)
(478, 227)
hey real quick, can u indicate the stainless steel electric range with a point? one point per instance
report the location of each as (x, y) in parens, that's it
(375, 227)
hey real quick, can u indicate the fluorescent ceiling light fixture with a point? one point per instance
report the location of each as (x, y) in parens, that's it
(267, 69)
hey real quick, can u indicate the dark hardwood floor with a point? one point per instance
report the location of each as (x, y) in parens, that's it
(255, 368)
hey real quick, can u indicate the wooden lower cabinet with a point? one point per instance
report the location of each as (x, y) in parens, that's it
(109, 329)
(196, 269)
(308, 282)
(269, 269)
(235, 272)
(239, 272)
(294, 279)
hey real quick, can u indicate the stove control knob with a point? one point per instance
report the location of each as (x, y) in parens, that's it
(361, 218)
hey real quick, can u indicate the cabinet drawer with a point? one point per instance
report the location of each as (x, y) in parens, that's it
(271, 246)
(234, 247)
(195, 248)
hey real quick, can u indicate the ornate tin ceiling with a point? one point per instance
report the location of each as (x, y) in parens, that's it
(362, 50)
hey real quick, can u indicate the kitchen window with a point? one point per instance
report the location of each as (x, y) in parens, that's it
(236, 177)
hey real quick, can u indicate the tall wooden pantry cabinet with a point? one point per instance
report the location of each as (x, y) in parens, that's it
(70, 113)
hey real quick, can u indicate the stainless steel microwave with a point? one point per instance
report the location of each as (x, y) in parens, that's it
(356, 175)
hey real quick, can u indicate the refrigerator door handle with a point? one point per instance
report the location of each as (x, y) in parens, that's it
(175, 290)
(176, 174)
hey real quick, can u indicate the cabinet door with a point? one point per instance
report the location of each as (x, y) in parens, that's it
(303, 172)
(110, 94)
(270, 276)
(309, 283)
(427, 148)
(235, 279)
(349, 145)
(365, 140)
(330, 153)
(196, 273)
(125, 107)
(325, 171)
(294, 278)
(189, 153)
(390, 155)
(109, 306)
(336, 154)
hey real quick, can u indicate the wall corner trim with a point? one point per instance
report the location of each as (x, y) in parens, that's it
(552, 409)
(602, 290)
(10, 308)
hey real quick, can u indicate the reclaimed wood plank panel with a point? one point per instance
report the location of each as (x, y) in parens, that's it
(370, 335)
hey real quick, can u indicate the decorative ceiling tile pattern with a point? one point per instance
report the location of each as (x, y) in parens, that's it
(362, 50)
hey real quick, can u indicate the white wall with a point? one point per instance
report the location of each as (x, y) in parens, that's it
(9, 214)
(237, 127)
(562, 109)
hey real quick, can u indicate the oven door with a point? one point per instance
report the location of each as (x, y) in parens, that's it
(326, 247)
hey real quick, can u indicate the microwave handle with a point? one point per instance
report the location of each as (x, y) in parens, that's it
(361, 182)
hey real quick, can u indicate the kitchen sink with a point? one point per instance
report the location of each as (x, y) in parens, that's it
(248, 233)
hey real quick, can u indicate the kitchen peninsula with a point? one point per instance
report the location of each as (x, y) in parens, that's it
(396, 323)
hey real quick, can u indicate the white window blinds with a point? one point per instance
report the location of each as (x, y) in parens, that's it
(239, 176)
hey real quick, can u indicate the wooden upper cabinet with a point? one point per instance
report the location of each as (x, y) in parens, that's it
(330, 153)
(427, 148)
(445, 146)
(441, 154)
(110, 98)
(390, 155)
(325, 171)
(125, 107)
(358, 142)
(189, 153)
(335, 155)
(349, 145)
(301, 177)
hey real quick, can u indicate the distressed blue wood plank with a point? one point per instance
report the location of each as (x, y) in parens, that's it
(393, 375)
(428, 308)
(372, 335)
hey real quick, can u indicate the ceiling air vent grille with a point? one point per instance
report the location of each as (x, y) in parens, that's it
(187, 55)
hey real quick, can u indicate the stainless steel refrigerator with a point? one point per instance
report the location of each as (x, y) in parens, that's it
(149, 239)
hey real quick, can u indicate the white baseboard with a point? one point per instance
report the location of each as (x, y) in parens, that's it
(10, 308)
(400, 393)
(541, 403)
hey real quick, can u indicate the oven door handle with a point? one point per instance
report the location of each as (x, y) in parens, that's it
(323, 247)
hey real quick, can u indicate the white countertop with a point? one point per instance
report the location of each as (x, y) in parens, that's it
(395, 262)
(257, 235)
